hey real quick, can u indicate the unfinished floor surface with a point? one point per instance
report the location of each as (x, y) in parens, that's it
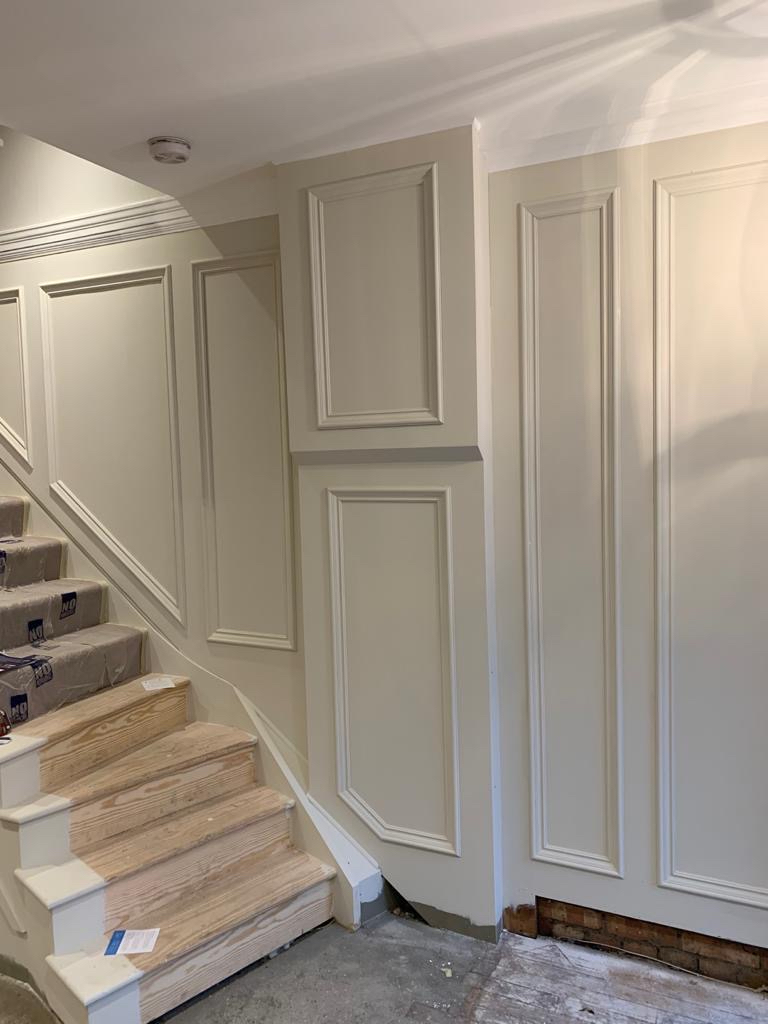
(397, 970)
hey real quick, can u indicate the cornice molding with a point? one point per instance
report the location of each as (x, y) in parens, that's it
(161, 216)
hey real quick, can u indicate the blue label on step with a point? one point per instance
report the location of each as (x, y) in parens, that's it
(3, 560)
(114, 943)
(19, 709)
(36, 631)
(68, 604)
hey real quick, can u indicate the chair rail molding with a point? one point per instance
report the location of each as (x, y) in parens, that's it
(671, 876)
(448, 842)
(609, 861)
(173, 603)
(423, 177)
(161, 216)
(218, 631)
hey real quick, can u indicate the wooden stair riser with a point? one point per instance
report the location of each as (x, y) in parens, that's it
(73, 756)
(186, 872)
(98, 820)
(188, 976)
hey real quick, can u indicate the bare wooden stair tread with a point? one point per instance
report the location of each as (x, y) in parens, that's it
(74, 718)
(255, 885)
(184, 748)
(123, 855)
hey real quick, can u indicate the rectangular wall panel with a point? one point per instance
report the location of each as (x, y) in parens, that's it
(113, 421)
(392, 599)
(14, 398)
(245, 448)
(568, 292)
(374, 265)
(712, 531)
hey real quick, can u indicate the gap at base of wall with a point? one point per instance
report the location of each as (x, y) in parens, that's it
(711, 957)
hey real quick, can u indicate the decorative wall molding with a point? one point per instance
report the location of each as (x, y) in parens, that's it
(611, 860)
(219, 633)
(666, 191)
(19, 443)
(161, 216)
(423, 176)
(174, 604)
(338, 497)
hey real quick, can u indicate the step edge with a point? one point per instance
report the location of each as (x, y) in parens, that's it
(65, 968)
(22, 745)
(41, 807)
(89, 882)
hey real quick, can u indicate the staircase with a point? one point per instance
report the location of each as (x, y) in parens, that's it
(124, 814)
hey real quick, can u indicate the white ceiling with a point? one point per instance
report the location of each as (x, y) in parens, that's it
(250, 82)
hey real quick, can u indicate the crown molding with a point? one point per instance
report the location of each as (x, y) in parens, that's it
(161, 216)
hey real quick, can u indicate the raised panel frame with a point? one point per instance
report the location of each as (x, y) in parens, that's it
(665, 192)
(450, 841)
(174, 604)
(21, 446)
(420, 175)
(217, 632)
(604, 201)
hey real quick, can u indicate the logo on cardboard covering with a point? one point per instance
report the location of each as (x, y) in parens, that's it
(68, 604)
(36, 631)
(19, 708)
(43, 671)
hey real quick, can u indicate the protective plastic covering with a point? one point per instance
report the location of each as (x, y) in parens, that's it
(25, 560)
(40, 677)
(45, 610)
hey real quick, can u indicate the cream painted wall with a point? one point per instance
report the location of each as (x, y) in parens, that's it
(40, 184)
(385, 281)
(157, 438)
(631, 631)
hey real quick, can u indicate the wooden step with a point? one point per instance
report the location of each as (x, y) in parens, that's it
(83, 736)
(51, 609)
(179, 853)
(12, 514)
(239, 917)
(26, 560)
(69, 669)
(171, 773)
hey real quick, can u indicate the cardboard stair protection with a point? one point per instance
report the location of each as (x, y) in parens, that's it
(125, 815)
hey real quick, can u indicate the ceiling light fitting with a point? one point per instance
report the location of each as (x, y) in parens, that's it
(169, 150)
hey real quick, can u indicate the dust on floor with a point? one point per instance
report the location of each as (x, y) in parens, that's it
(397, 970)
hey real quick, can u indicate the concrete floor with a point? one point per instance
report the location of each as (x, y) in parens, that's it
(396, 970)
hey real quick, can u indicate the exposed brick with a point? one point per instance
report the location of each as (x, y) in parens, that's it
(582, 917)
(642, 948)
(723, 971)
(718, 949)
(567, 931)
(522, 920)
(551, 909)
(716, 958)
(678, 958)
(642, 931)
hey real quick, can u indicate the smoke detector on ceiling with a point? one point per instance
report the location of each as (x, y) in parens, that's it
(168, 150)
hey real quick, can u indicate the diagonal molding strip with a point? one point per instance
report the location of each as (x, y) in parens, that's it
(161, 216)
